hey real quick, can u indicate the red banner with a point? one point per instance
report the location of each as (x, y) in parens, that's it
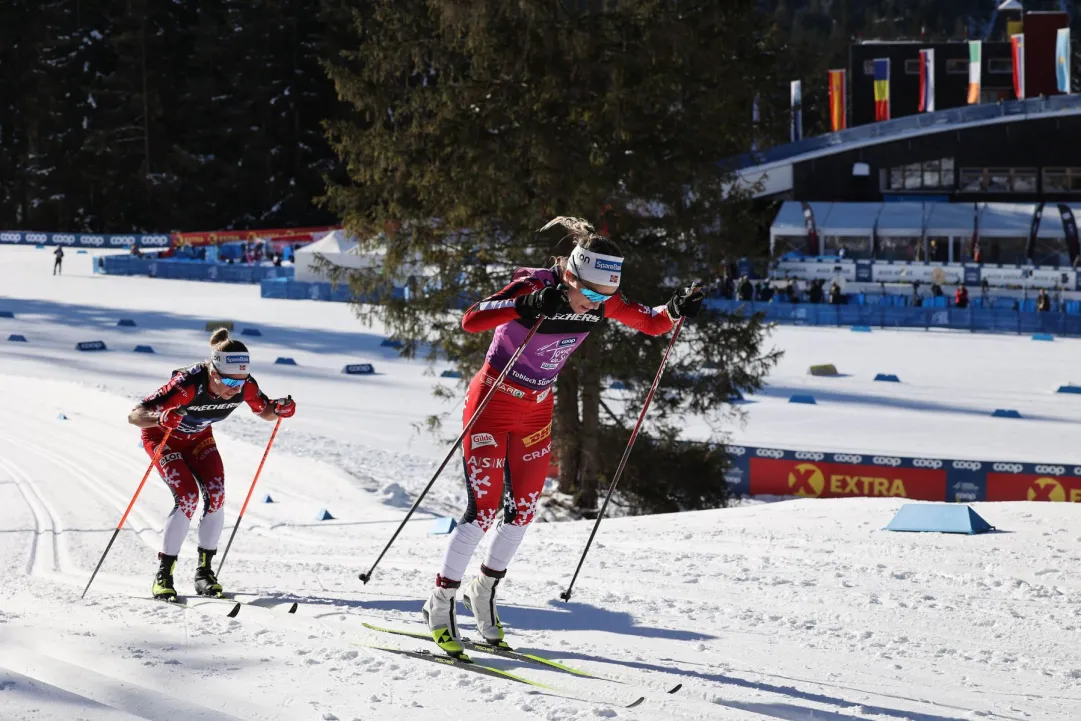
(214, 237)
(1019, 487)
(843, 480)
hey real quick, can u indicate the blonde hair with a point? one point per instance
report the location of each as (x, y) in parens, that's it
(582, 234)
(220, 340)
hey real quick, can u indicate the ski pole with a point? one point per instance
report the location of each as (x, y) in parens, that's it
(157, 455)
(566, 595)
(252, 488)
(365, 577)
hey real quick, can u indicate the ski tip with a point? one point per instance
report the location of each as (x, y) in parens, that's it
(292, 609)
(234, 611)
(675, 688)
(637, 702)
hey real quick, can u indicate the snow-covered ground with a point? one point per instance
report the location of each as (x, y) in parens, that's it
(798, 610)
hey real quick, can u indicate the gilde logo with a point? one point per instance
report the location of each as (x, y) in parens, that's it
(806, 480)
(1046, 489)
(480, 440)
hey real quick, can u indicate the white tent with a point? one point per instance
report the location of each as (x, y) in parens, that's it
(1006, 220)
(336, 247)
(851, 219)
(902, 220)
(951, 219)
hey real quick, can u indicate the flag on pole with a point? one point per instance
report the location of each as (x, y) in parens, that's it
(927, 81)
(755, 118)
(796, 130)
(882, 89)
(975, 65)
(1017, 44)
(838, 110)
(1062, 59)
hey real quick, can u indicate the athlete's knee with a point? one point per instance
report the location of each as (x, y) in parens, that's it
(214, 494)
(187, 503)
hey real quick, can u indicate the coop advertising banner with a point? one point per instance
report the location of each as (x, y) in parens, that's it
(213, 237)
(83, 240)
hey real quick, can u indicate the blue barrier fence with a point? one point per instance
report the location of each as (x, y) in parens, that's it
(771, 471)
(83, 240)
(284, 288)
(885, 316)
(189, 269)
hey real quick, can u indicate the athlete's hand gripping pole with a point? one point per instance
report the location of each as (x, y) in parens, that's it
(154, 462)
(566, 595)
(243, 508)
(365, 577)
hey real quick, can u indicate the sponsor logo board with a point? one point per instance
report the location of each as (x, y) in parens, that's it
(1031, 487)
(842, 480)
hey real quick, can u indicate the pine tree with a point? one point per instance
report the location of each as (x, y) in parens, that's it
(474, 123)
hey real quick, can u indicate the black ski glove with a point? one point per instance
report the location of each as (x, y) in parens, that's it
(545, 301)
(686, 302)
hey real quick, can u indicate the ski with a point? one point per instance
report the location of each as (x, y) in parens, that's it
(508, 652)
(194, 601)
(467, 664)
(258, 601)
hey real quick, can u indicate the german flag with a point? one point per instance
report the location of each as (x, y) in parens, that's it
(882, 89)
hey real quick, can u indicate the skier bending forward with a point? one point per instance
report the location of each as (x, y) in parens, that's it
(192, 400)
(512, 438)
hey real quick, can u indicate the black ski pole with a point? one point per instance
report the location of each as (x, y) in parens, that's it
(365, 577)
(566, 595)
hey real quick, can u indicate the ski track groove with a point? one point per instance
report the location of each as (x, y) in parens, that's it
(46, 523)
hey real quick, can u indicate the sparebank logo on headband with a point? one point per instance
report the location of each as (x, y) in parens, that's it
(613, 266)
(231, 359)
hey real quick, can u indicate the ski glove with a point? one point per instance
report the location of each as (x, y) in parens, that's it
(285, 407)
(171, 418)
(545, 301)
(686, 302)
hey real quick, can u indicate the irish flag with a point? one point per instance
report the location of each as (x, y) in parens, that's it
(975, 61)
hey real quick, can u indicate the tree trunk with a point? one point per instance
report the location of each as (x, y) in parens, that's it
(566, 427)
(590, 392)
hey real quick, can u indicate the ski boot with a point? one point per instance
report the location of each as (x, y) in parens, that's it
(206, 583)
(438, 612)
(163, 581)
(479, 597)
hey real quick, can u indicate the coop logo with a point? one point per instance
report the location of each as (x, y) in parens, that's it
(94, 240)
(845, 458)
(932, 463)
(11, 237)
(806, 480)
(36, 237)
(967, 465)
(559, 351)
(737, 450)
(769, 453)
(886, 461)
(1051, 470)
(809, 456)
(1047, 489)
(535, 438)
(1007, 468)
(61, 238)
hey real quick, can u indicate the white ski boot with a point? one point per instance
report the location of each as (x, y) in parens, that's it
(438, 612)
(479, 597)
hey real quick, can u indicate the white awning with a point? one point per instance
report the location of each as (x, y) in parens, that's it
(856, 219)
(951, 219)
(901, 219)
(789, 220)
(1006, 220)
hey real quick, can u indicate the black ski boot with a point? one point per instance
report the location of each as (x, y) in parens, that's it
(163, 581)
(206, 583)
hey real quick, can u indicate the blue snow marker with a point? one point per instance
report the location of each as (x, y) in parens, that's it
(61, 417)
(143, 349)
(267, 498)
(861, 329)
(251, 331)
(285, 361)
(887, 377)
(1061, 389)
(17, 338)
(938, 518)
(1005, 413)
(91, 345)
(1042, 336)
(324, 515)
(617, 386)
(442, 526)
(801, 398)
(359, 369)
(81, 252)
(126, 323)
(389, 343)
(40, 246)
(6, 314)
(450, 374)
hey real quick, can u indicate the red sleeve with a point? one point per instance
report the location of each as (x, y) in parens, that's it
(179, 391)
(495, 310)
(254, 397)
(652, 321)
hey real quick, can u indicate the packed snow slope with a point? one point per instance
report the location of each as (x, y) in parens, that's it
(798, 610)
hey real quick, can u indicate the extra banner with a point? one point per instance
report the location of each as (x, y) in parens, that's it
(83, 240)
(814, 474)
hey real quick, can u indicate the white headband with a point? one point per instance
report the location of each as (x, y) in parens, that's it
(596, 268)
(230, 363)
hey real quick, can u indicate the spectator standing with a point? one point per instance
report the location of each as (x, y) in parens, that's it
(59, 262)
(836, 297)
(814, 293)
(746, 291)
(960, 297)
(1043, 301)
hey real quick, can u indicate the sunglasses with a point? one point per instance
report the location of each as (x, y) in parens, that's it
(593, 295)
(230, 382)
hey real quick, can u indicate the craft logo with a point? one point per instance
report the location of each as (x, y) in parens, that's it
(560, 350)
(613, 266)
(782, 477)
(535, 438)
(806, 480)
(483, 439)
(535, 455)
